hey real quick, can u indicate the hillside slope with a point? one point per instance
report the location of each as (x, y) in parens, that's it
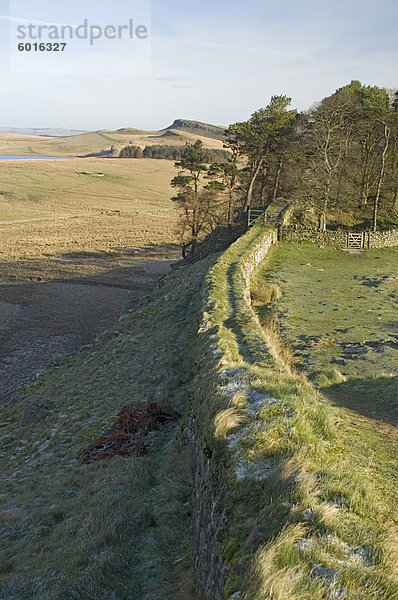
(196, 127)
(117, 528)
(290, 497)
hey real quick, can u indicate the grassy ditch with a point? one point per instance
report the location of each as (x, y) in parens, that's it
(308, 488)
(119, 527)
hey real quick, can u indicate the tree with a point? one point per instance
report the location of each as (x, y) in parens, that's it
(331, 125)
(256, 138)
(224, 179)
(193, 160)
(196, 203)
(392, 171)
(376, 105)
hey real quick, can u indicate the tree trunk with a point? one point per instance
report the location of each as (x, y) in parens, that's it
(387, 132)
(250, 189)
(230, 201)
(263, 178)
(395, 201)
(193, 246)
(185, 248)
(277, 178)
(322, 224)
(322, 217)
(365, 175)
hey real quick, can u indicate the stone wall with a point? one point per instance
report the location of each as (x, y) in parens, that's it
(211, 473)
(337, 239)
(381, 239)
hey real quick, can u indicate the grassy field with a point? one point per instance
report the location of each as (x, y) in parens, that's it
(59, 220)
(61, 225)
(338, 312)
(62, 188)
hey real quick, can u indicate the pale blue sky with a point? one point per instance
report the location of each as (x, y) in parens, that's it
(212, 61)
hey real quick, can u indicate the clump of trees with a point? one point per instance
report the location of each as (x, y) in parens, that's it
(349, 163)
(170, 153)
(131, 152)
(337, 164)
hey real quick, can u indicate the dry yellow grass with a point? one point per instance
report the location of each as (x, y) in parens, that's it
(94, 142)
(52, 189)
(265, 293)
(110, 248)
(57, 222)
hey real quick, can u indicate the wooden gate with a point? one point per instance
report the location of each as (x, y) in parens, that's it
(253, 214)
(355, 240)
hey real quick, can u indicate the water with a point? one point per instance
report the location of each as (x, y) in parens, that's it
(22, 157)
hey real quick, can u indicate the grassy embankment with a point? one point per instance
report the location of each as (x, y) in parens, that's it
(117, 528)
(309, 487)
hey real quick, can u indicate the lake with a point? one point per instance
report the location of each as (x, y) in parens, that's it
(21, 157)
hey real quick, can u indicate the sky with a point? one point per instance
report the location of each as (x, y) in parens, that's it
(215, 61)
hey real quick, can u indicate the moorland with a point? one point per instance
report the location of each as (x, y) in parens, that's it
(223, 427)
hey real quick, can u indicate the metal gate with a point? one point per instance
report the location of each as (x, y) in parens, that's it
(355, 240)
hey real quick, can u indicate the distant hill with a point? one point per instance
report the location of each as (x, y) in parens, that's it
(105, 143)
(45, 132)
(132, 131)
(196, 127)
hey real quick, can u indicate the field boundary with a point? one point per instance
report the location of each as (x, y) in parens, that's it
(338, 238)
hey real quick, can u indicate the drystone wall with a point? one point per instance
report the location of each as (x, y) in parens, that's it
(337, 239)
(211, 472)
(381, 239)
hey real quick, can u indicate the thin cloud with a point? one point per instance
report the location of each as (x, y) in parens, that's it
(35, 22)
(232, 47)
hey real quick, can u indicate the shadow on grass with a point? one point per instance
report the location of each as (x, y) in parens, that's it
(374, 398)
(129, 268)
(51, 306)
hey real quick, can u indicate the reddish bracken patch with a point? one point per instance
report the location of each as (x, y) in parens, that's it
(127, 434)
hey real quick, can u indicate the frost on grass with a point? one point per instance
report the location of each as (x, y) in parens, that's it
(258, 470)
(259, 400)
(329, 577)
(340, 555)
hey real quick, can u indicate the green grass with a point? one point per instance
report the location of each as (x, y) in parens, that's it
(310, 488)
(338, 313)
(118, 528)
